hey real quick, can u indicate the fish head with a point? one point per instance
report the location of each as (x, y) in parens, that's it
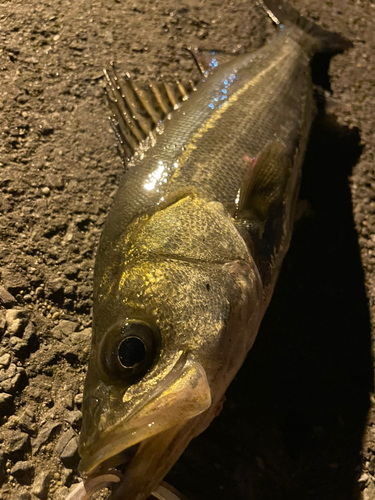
(171, 329)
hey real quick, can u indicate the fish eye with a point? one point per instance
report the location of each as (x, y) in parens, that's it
(129, 350)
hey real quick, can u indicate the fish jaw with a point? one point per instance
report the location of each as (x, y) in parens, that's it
(187, 396)
(156, 456)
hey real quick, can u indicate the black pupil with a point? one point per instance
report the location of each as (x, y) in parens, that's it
(132, 351)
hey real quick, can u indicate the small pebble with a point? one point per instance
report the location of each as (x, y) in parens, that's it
(17, 444)
(46, 191)
(64, 329)
(41, 484)
(363, 480)
(16, 321)
(30, 333)
(61, 493)
(23, 472)
(45, 434)
(69, 456)
(3, 322)
(65, 475)
(19, 346)
(64, 440)
(24, 495)
(78, 399)
(6, 298)
(5, 403)
(26, 421)
(73, 417)
(4, 360)
(2, 468)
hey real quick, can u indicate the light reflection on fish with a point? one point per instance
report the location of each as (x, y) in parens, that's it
(191, 250)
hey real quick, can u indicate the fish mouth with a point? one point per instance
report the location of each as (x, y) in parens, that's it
(182, 395)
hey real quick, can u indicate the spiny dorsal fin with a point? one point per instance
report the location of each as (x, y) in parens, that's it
(137, 111)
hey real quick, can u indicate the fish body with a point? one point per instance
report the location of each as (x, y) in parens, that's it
(189, 257)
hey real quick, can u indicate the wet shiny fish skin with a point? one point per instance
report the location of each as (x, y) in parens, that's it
(191, 249)
(204, 150)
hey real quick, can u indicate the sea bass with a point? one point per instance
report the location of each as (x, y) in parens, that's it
(191, 251)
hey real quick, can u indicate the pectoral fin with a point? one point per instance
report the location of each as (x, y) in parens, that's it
(263, 205)
(264, 186)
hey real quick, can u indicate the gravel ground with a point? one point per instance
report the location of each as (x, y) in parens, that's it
(300, 416)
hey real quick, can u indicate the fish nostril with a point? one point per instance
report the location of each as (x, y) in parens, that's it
(94, 403)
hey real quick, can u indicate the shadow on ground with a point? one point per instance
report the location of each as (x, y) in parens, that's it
(295, 414)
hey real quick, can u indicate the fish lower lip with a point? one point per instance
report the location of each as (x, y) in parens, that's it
(119, 462)
(186, 397)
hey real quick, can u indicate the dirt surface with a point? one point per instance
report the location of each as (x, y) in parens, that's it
(299, 421)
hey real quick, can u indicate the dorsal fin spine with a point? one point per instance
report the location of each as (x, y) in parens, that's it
(121, 109)
(130, 95)
(150, 109)
(159, 99)
(170, 94)
(124, 132)
(182, 90)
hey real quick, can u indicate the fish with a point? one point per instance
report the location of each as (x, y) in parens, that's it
(192, 248)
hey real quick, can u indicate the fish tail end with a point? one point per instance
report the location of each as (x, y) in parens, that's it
(312, 37)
